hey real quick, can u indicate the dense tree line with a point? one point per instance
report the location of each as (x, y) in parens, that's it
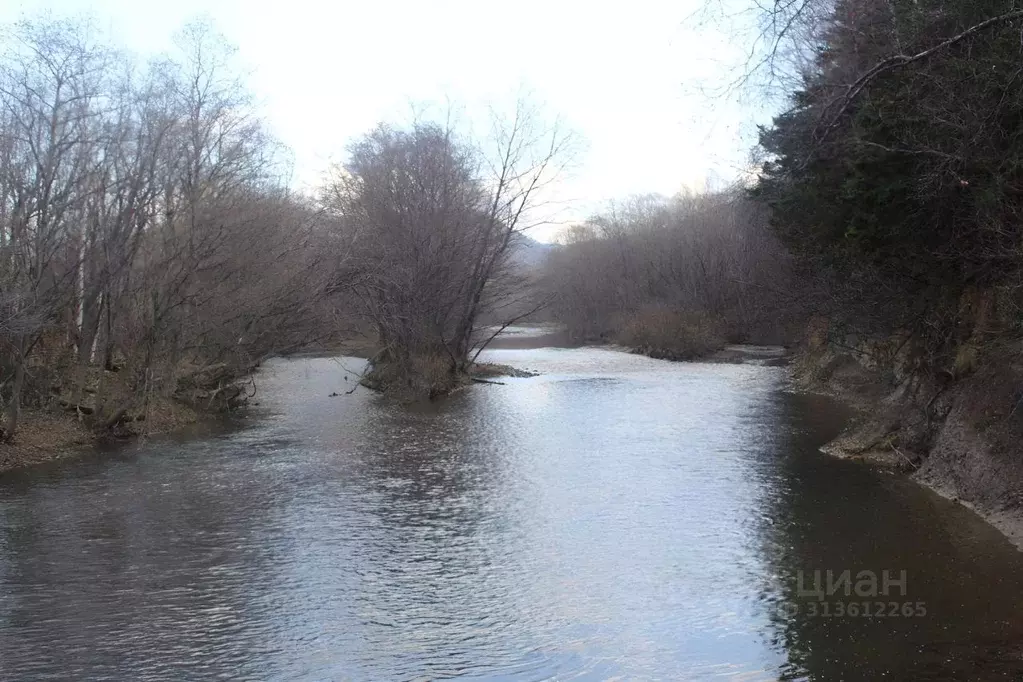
(895, 176)
(675, 277)
(148, 243)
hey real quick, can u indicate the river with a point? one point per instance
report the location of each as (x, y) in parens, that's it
(615, 517)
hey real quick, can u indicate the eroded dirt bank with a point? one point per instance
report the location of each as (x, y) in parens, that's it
(66, 425)
(959, 433)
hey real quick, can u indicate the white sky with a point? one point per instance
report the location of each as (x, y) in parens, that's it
(626, 76)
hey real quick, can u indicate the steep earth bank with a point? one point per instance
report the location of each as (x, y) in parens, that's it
(958, 432)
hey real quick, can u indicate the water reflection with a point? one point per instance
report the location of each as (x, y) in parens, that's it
(828, 516)
(615, 517)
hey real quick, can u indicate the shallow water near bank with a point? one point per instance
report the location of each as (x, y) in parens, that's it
(615, 517)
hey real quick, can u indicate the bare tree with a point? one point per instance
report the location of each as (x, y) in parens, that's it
(676, 277)
(50, 82)
(433, 218)
(147, 246)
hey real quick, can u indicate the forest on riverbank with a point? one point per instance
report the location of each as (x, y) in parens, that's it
(894, 179)
(886, 199)
(152, 252)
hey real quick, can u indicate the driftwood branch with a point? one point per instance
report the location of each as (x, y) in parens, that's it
(487, 381)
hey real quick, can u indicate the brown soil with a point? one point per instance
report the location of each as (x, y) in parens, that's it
(44, 436)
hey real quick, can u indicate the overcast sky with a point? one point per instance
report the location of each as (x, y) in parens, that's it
(629, 77)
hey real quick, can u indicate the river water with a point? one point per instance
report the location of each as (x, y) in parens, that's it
(614, 518)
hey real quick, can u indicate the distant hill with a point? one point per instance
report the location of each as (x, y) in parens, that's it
(529, 254)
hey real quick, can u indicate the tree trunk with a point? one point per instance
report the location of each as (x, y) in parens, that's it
(13, 412)
(90, 317)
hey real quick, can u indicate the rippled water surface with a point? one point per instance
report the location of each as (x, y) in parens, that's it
(615, 518)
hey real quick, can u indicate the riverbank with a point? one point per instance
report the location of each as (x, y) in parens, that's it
(49, 435)
(729, 354)
(110, 409)
(958, 436)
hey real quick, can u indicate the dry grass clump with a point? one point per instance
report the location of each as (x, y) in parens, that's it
(418, 377)
(671, 335)
(490, 370)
